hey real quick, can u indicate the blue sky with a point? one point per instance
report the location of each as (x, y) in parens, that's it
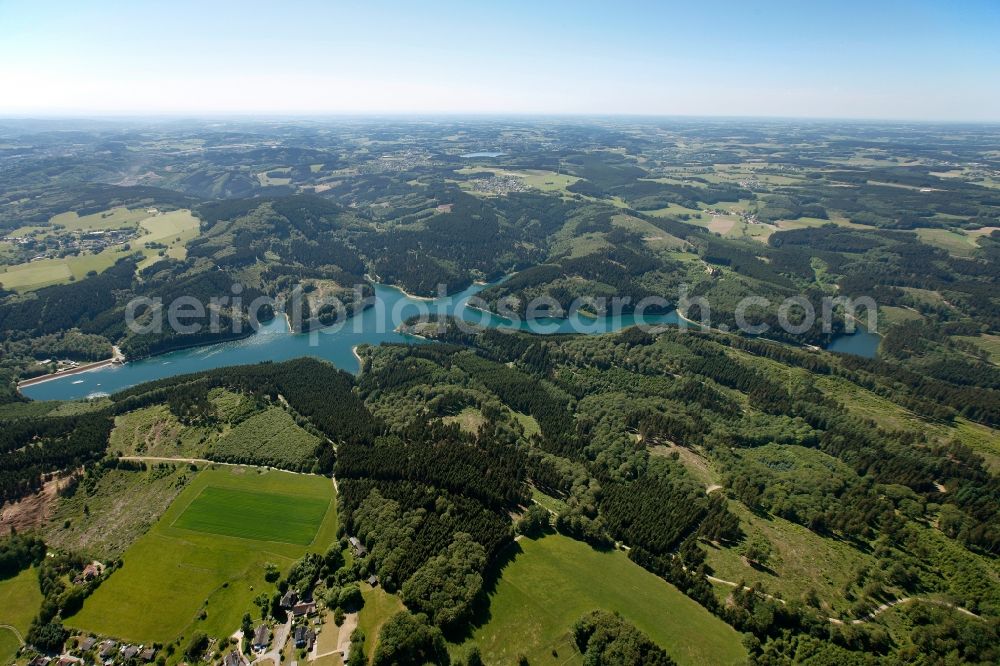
(899, 60)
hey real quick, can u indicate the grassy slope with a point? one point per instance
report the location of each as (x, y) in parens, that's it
(154, 431)
(379, 607)
(469, 419)
(989, 343)
(271, 436)
(20, 600)
(24, 589)
(122, 508)
(173, 229)
(171, 573)
(801, 560)
(553, 581)
(8, 645)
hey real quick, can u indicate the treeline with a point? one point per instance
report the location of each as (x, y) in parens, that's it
(616, 271)
(62, 307)
(451, 248)
(654, 512)
(33, 448)
(975, 403)
(527, 394)
(19, 552)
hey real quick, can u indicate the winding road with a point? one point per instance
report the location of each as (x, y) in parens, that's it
(870, 616)
(15, 631)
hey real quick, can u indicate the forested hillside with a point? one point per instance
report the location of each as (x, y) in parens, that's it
(827, 507)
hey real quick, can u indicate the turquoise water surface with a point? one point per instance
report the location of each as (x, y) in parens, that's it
(275, 342)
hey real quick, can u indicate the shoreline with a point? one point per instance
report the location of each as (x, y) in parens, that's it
(406, 293)
(52, 376)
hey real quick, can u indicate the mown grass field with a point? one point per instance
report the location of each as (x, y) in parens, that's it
(173, 229)
(20, 599)
(554, 580)
(254, 515)
(36, 275)
(8, 645)
(114, 218)
(171, 574)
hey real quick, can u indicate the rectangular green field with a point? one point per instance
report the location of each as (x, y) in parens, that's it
(254, 515)
(176, 580)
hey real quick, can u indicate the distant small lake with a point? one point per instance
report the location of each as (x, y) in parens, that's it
(859, 343)
(483, 154)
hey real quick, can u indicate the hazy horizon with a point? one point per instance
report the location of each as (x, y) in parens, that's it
(914, 61)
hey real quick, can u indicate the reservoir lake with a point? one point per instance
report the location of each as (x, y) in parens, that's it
(273, 341)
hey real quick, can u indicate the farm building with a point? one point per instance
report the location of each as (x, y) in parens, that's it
(89, 573)
(304, 608)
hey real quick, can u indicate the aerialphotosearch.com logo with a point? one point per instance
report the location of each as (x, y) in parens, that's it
(316, 313)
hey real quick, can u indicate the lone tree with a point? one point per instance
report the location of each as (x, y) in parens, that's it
(535, 521)
(757, 550)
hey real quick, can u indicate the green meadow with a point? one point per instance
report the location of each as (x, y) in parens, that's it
(551, 582)
(202, 564)
(953, 242)
(115, 218)
(254, 515)
(173, 229)
(8, 645)
(987, 342)
(379, 607)
(24, 588)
